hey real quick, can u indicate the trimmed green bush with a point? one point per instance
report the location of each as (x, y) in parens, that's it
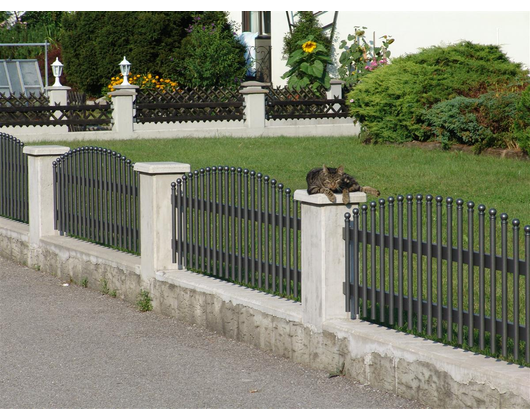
(481, 122)
(210, 55)
(391, 102)
(521, 126)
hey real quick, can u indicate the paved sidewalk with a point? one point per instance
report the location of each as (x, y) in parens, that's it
(70, 347)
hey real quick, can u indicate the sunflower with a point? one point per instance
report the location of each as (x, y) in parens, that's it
(309, 46)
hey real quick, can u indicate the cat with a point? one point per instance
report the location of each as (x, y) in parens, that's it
(329, 181)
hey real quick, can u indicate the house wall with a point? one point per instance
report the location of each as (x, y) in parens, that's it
(415, 30)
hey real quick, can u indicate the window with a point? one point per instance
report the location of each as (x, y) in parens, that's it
(20, 76)
(259, 22)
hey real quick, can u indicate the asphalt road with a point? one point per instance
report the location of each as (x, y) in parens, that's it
(70, 347)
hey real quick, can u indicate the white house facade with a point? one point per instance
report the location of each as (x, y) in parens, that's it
(411, 31)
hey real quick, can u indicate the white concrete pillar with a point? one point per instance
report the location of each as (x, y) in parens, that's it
(323, 256)
(335, 91)
(123, 111)
(156, 213)
(254, 94)
(40, 190)
(58, 95)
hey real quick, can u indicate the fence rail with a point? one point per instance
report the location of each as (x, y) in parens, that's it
(190, 104)
(446, 286)
(13, 179)
(284, 103)
(240, 226)
(96, 198)
(35, 110)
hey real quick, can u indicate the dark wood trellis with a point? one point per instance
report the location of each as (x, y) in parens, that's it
(284, 103)
(190, 104)
(34, 110)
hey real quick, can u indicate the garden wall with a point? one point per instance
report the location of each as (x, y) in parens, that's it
(316, 332)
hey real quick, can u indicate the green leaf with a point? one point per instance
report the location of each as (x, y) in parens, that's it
(306, 68)
(318, 68)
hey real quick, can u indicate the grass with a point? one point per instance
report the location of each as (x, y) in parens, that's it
(499, 183)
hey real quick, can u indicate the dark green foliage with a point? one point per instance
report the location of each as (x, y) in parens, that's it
(479, 122)
(391, 102)
(307, 25)
(210, 55)
(47, 18)
(94, 43)
(521, 126)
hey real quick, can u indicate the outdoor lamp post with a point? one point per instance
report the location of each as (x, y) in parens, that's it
(57, 68)
(125, 68)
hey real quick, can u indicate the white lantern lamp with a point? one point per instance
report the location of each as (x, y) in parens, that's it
(57, 68)
(125, 68)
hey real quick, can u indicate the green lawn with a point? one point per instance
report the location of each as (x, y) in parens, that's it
(503, 184)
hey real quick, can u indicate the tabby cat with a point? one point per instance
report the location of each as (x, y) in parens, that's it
(329, 181)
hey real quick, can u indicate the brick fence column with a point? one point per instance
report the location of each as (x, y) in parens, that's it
(323, 256)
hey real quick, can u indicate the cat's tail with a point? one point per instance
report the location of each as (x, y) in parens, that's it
(371, 191)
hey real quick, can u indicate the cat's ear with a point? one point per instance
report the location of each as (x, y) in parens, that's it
(340, 170)
(325, 169)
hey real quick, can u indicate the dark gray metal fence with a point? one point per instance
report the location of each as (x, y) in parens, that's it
(96, 198)
(13, 179)
(436, 278)
(240, 226)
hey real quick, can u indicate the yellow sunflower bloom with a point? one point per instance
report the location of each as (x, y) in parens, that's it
(309, 46)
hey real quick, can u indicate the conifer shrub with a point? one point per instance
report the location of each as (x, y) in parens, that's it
(486, 121)
(521, 126)
(392, 103)
(94, 43)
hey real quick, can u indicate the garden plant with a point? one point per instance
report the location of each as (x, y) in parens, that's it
(404, 101)
(361, 56)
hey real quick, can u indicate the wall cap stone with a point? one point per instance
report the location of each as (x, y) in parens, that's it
(45, 150)
(304, 197)
(153, 168)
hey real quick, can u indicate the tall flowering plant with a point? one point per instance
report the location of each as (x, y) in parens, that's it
(362, 56)
(308, 65)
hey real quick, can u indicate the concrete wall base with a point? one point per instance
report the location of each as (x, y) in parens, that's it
(434, 374)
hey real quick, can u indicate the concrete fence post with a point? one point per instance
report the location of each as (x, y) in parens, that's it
(40, 190)
(335, 91)
(254, 94)
(323, 256)
(58, 95)
(156, 214)
(123, 111)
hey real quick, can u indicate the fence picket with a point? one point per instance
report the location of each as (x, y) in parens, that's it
(92, 191)
(13, 179)
(253, 233)
(463, 316)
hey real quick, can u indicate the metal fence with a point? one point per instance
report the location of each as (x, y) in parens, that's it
(240, 226)
(13, 179)
(96, 198)
(436, 278)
